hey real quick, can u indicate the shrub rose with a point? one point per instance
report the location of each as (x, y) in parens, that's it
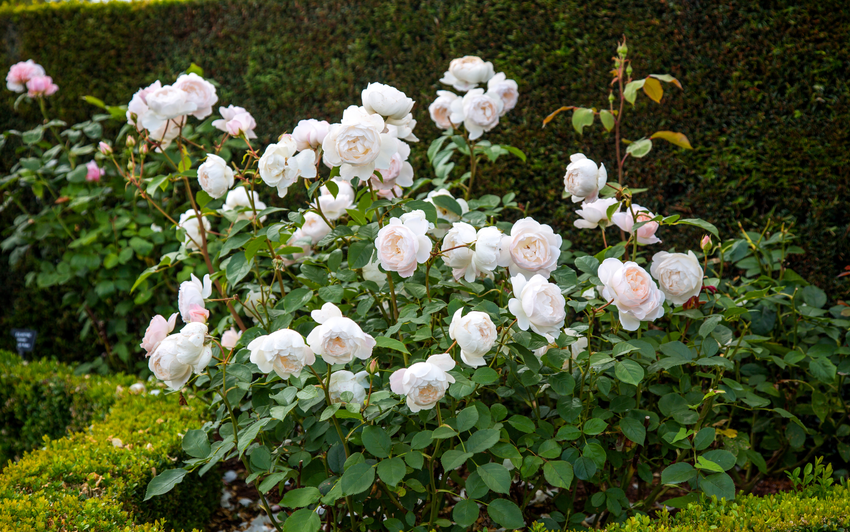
(488, 249)
(41, 86)
(200, 92)
(466, 72)
(507, 90)
(334, 207)
(236, 121)
(345, 381)
(189, 223)
(214, 176)
(538, 304)
(283, 351)
(595, 214)
(632, 291)
(280, 167)
(190, 299)
(230, 338)
(337, 339)
(156, 332)
(475, 334)
(386, 101)
(398, 173)
(239, 200)
(166, 103)
(458, 258)
(424, 383)
(94, 172)
(403, 243)
(584, 179)
(441, 109)
(20, 73)
(309, 134)
(358, 145)
(479, 112)
(646, 232)
(679, 275)
(165, 366)
(531, 249)
(315, 227)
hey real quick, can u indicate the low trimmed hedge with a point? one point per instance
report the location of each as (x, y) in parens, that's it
(96, 479)
(785, 512)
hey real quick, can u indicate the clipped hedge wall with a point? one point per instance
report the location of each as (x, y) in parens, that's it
(766, 101)
(96, 479)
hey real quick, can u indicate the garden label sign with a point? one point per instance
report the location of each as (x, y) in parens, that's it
(25, 339)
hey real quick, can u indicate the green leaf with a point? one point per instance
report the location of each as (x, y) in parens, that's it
(296, 299)
(376, 441)
(629, 371)
(704, 438)
(719, 485)
(630, 92)
(673, 138)
(702, 224)
(195, 69)
(392, 471)
(247, 435)
(607, 119)
(707, 465)
(482, 440)
(582, 118)
(721, 457)
(584, 468)
(505, 513)
(164, 482)
(633, 430)
(639, 148)
(522, 424)
(678, 473)
(467, 418)
(299, 498)
(237, 268)
(303, 520)
(271, 481)
(558, 473)
(33, 135)
(448, 203)
(97, 102)
(823, 370)
(465, 513)
(357, 478)
(594, 426)
(196, 444)
(390, 343)
(496, 477)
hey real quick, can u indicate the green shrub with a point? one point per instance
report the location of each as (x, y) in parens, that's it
(96, 479)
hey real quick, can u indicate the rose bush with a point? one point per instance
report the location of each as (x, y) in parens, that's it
(416, 360)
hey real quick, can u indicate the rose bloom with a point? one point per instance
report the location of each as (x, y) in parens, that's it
(371, 272)
(189, 223)
(138, 109)
(283, 351)
(506, 89)
(164, 104)
(236, 121)
(466, 72)
(315, 227)
(679, 275)
(215, 176)
(20, 73)
(488, 249)
(479, 112)
(41, 86)
(309, 134)
(439, 231)
(595, 214)
(459, 259)
(403, 243)
(475, 333)
(358, 145)
(334, 207)
(538, 304)
(190, 299)
(280, 167)
(584, 179)
(398, 173)
(531, 249)
(337, 339)
(156, 332)
(386, 101)
(345, 381)
(179, 354)
(230, 338)
(93, 171)
(201, 92)
(441, 109)
(646, 232)
(424, 383)
(403, 129)
(238, 200)
(632, 291)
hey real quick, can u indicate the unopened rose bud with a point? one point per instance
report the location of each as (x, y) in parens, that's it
(373, 366)
(143, 149)
(131, 166)
(622, 50)
(104, 148)
(705, 243)
(629, 70)
(131, 141)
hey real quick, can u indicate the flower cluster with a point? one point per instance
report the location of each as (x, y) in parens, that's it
(30, 77)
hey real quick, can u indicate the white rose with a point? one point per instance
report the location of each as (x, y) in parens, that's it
(334, 207)
(309, 134)
(403, 129)
(538, 304)
(398, 173)
(584, 179)
(166, 103)
(475, 333)
(337, 339)
(488, 249)
(507, 90)
(283, 351)
(403, 243)
(531, 249)
(371, 272)
(579, 345)
(594, 214)
(138, 106)
(386, 101)
(441, 109)
(200, 92)
(450, 216)
(230, 338)
(235, 121)
(315, 227)
(679, 275)
(190, 299)
(255, 303)
(280, 167)
(215, 176)
(345, 381)
(466, 72)
(189, 223)
(424, 383)
(645, 233)
(358, 145)
(632, 291)
(239, 200)
(479, 112)
(192, 346)
(458, 258)
(165, 366)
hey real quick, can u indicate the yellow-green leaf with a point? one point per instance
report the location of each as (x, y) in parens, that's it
(667, 78)
(673, 138)
(582, 118)
(652, 88)
(630, 92)
(607, 119)
(554, 114)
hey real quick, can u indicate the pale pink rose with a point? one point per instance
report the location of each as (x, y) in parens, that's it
(424, 383)
(309, 134)
(190, 299)
(531, 249)
(403, 243)
(156, 332)
(230, 338)
(595, 214)
(506, 89)
(632, 291)
(466, 72)
(441, 109)
(236, 121)
(41, 86)
(646, 232)
(105, 148)
(538, 304)
(399, 173)
(21, 73)
(201, 92)
(93, 171)
(478, 110)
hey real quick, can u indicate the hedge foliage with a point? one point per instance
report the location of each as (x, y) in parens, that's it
(765, 102)
(96, 479)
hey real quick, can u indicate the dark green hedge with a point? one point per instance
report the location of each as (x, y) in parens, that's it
(766, 100)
